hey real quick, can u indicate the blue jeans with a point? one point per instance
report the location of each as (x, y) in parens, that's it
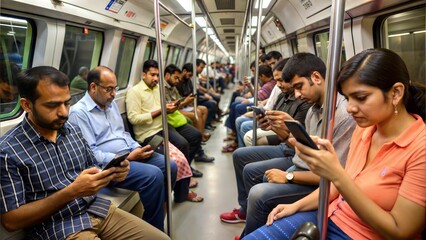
(246, 155)
(238, 124)
(265, 196)
(147, 178)
(285, 227)
(245, 127)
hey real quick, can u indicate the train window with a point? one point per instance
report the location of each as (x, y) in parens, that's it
(149, 50)
(321, 46)
(82, 48)
(126, 52)
(188, 56)
(176, 55)
(405, 33)
(16, 48)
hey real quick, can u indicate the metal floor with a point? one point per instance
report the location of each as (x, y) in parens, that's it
(217, 186)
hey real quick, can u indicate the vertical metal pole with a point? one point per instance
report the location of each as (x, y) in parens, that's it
(237, 57)
(256, 74)
(163, 114)
(214, 71)
(207, 55)
(249, 36)
(194, 58)
(333, 65)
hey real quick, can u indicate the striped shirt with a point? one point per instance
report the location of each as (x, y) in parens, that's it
(33, 168)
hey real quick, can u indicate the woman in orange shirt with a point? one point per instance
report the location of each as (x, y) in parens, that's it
(381, 193)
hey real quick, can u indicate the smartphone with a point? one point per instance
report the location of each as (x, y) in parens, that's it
(194, 95)
(299, 132)
(258, 110)
(116, 161)
(155, 141)
(177, 103)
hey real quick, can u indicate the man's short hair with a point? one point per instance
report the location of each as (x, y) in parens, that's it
(28, 81)
(253, 64)
(265, 70)
(200, 61)
(95, 75)
(171, 69)
(273, 54)
(303, 65)
(149, 64)
(280, 64)
(7, 76)
(188, 67)
(82, 70)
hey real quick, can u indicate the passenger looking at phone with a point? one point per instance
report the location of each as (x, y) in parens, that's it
(143, 104)
(287, 177)
(99, 119)
(185, 88)
(172, 75)
(238, 109)
(49, 175)
(381, 192)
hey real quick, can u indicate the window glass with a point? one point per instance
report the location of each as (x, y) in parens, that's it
(176, 55)
(82, 49)
(321, 46)
(188, 57)
(405, 33)
(126, 52)
(16, 49)
(148, 51)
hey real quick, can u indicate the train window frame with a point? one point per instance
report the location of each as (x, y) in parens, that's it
(96, 54)
(175, 57)
(123, 77)
(380, 41)
(26, 63)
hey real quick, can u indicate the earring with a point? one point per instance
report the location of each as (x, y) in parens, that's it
(395, 109)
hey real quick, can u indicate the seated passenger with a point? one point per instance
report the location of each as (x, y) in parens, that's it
(99, 119)
(381, 193)
(237, 109)
(80, 81)
(8, 86)
(49, 178)
(172, 75)
(306, 72)
(143, 106)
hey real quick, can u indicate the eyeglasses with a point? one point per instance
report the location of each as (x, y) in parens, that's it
(109, 89)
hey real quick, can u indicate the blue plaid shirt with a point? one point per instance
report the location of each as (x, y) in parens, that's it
(33, 167)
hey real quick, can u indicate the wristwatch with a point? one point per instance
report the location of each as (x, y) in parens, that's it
(289, 177)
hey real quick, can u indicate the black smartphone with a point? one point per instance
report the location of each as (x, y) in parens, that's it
(177, 103)
(116, 161)
(299, 132)
(155, 141)
(258, 110)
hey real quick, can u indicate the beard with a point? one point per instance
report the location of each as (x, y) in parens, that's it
(42, 122)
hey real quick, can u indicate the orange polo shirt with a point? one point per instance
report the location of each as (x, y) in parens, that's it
(399, 168)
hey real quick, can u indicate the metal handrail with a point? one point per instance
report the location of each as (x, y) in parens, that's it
(256, 75)
(163, 114)
(190, 25)
(333, 66)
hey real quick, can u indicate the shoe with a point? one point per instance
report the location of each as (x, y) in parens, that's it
(206, 137)
(196, 173)
(193, 183)
(193, 197)
(204, 158)
(233, 217)
(229, 148)
(210, 127)
(237, 238)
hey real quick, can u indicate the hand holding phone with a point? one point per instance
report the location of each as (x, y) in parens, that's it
(259, 111)
(299, 132)
(155, 142)
(177, 103)
(116, 161)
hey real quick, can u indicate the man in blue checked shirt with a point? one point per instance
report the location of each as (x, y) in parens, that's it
(48, 177)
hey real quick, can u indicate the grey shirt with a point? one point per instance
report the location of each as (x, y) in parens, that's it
(344, 125)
